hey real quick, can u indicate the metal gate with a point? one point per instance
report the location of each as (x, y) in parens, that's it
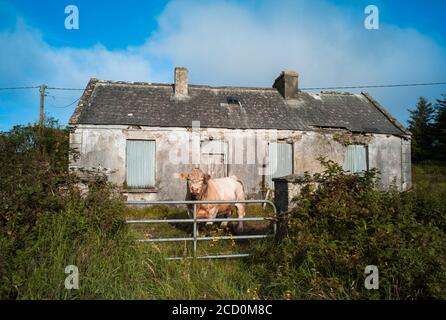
(195, 237)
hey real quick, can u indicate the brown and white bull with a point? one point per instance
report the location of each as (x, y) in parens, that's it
(200, 186)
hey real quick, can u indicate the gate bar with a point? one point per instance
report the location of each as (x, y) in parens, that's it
(253, 236)
(198, 220)
(216, 256)
(195, 238)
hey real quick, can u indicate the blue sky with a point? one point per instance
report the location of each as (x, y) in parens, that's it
(222, 43)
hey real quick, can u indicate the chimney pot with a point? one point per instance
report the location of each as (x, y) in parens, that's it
(181, 82)
(287, 84)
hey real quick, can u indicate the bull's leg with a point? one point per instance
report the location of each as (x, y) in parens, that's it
(202, 213)
(190, 210)
(212, 215)
(224, 224)
(241, 214)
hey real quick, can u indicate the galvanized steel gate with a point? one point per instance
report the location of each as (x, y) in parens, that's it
(195, 238)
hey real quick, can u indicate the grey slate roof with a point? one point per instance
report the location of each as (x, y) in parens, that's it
(110, 103)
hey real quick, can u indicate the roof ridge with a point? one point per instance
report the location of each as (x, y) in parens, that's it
(195, 86)
(345, 93)
(268, 108)
(132, 83)
(378, 106)
(83, 101)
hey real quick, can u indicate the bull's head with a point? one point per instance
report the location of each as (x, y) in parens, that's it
(196, 181)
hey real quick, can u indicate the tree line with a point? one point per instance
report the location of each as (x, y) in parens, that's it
(427, 123)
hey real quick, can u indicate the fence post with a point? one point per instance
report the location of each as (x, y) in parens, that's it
(195, 230)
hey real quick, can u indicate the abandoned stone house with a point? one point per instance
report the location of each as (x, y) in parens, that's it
(143, 134)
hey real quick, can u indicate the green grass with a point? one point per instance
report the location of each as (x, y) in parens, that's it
(185, 248)
(432, 174)
(115, 266)
(122, 269)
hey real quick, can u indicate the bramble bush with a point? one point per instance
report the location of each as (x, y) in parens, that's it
(43, 215)
(48, 223)
(345, 224)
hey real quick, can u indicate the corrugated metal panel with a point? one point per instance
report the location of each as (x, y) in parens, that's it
(280, 161)
(355, 158)
(140, 164)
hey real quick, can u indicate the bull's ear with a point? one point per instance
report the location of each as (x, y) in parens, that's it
(207, 176)
(184, 176)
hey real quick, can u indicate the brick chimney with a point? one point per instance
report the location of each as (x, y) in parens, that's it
(287, 84)
(181, 79)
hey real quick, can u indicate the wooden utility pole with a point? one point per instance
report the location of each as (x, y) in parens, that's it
(42, 107)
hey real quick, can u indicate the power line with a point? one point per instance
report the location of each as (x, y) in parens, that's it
(379, 86)
(19, 88)
(37, 87)
(57, 97)
(68, 105)
(71, 89)
(309, 88)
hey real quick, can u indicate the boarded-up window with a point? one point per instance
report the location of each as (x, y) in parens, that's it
(280, 161)
(356, 158)
(214, 156)
(140, 164)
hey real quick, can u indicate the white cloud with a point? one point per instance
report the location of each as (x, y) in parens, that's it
(26, 58)
(228, 43)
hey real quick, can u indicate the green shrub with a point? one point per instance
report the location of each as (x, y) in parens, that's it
(429, 194)
(46, 224)
(334, 232)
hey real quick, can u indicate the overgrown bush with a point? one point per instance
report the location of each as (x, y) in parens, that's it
(335, 231)
(47, 223)
(43, 215)
(429, 194)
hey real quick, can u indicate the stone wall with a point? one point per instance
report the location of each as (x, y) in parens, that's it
(178, 150)
(287, 188)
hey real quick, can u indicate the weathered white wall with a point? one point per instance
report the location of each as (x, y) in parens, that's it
(105, 147)
(389, 154)
(385, 154)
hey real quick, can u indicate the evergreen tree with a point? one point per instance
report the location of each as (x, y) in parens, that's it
(440, 129)
(421, 127)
